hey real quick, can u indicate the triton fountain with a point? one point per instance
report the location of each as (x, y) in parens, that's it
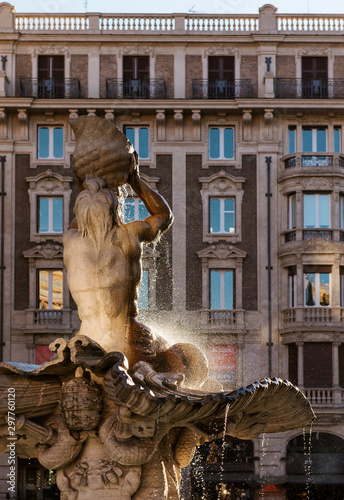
(118, 411)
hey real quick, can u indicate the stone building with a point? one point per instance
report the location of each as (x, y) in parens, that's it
(238, 123)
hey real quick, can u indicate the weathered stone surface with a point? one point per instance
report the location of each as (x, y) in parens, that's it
(118, 411)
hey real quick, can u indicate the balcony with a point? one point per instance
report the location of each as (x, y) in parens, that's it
(48, 318)
(304, 317)
(314, 160)
(296, 88)
(325, 397)
(221, 89)
(68, 88)
(223, 319)
(135, 89)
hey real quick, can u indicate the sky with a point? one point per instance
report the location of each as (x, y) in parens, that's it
(163, 6)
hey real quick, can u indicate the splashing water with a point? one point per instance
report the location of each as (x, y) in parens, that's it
(307, 450)
(264, 444)
(223, 450)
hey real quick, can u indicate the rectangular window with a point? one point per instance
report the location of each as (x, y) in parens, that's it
(292, 211)
(317, 289)
(50, 142)
(316, 210)
(341, 211)
(134, 209)
(292, 286)
(222, 289)
(337, 139)
(143, 291)
(314, 140)
(341, 286)
(317, 364)
(50, 289)
(139, 137)
(50, 215)
(222, 215)
(221, 143)
(292, 140)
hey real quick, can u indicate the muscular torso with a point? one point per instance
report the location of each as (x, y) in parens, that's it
(103, 280)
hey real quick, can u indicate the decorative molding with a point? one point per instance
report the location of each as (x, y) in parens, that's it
(222, 50)
(48, 183)
(268, 119)
(110, 115)
(196, 124)
(317, 183)
(161, 124)
(247, 124)
(222, 184)
(73, 115)
(47, 252)
(222, 252)
(51, 49)
(315, 50)
(3, 124)
(137, 50)
(24, 124)
(178, 125)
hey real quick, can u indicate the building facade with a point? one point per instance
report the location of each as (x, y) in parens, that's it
(238, 121)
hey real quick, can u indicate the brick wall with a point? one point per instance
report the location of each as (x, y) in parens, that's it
(249, 70)
(285, 67)
(249, 233)
(23, 68)
(22, 225)
(193, 70)
(108, 69)
(79, 69)
(338, 67)
(164, 68)
(194, 229)
(164, 246)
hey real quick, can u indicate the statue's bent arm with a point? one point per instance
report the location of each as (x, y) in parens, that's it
(161, 216)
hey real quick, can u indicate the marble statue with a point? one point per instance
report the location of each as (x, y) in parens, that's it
(119, 411)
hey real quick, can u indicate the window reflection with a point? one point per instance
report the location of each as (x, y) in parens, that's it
(50, 289)
(317, 289)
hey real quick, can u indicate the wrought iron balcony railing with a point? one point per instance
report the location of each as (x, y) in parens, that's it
(292, 88)
(221, 89)
(135, 89)
(314, 160)
(50, 88)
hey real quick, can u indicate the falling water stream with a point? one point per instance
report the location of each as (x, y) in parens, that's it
(223, 451)
(307, 450)
(264, 444)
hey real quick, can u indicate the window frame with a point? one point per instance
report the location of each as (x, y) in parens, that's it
(48, 184)
(315, 138)
(222, 214)
(136, 143)
(50, 214)
(51, 129)
(222, 185)
(317, 210)
(137, 203)
(50, 288)
(316, 290)
(221, 257)
(223, 294)
(221, 129)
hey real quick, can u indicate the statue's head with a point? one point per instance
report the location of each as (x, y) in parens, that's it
(103, 151)
(96, 207)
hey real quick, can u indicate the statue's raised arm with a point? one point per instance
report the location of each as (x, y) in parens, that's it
(160, 218)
